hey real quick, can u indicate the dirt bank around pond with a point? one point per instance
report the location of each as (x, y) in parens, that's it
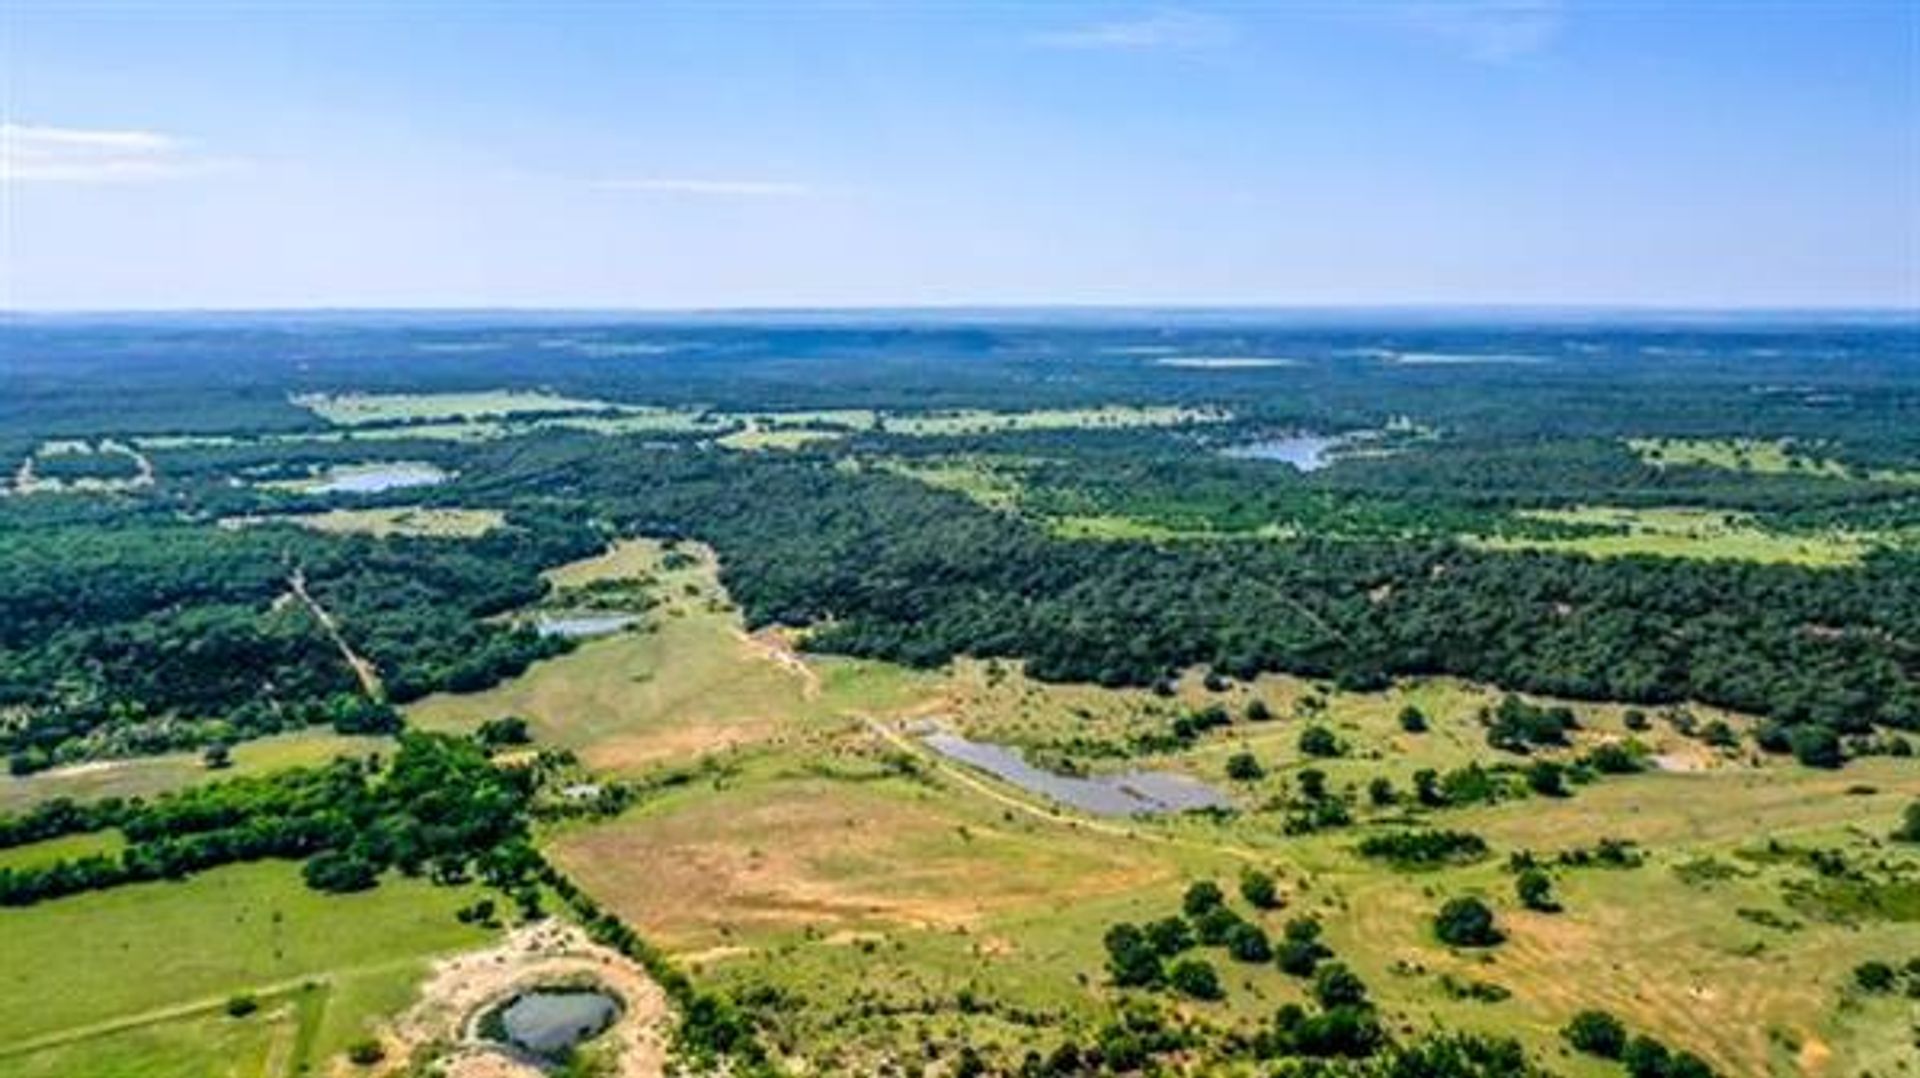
(441, 1025)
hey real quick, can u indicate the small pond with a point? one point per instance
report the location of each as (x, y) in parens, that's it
(375, 478)
(576, 626)
(1127, 794)
(1307, 452)
(548, 1021)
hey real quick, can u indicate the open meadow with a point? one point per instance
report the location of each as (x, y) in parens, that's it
(136, 982)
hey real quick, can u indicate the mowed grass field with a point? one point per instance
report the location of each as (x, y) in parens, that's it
(134, 980)
(146, 776)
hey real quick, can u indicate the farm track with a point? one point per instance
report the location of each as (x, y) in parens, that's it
(189, 1009)
(362, 668)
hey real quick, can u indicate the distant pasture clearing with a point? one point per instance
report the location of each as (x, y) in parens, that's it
(360, 409)
(1759, 456)
(1102, 418)
(146, 776)
(1691, 533)
(415, 521)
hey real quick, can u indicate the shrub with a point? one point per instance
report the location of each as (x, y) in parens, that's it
(1259, 890)
(1242, 767)
(1535, 890)
(1169, 936)
(1214, 926)
(1466, 922)
(1258, 711)
(1424, 849)
(365, 1052)
(508, 730)
(1815, 745)
(1413, 720)
(1334, 985)
(1202, 896)
(1909, 829)
(1547, 778)
(1613, 758)
(1131, 959)
(242, 1005)
(1195, 977)
(1597, 1033)
(1248, 943)
(1319, 741)
(339, 872)
(1645, 1057)
(1874, 977)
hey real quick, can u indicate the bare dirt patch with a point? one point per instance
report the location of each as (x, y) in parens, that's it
(441, 1025)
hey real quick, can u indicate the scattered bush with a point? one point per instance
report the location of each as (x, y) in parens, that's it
(1195, 977)
(1535, 890)
(1597, 1033)
(1259, 890)
(1466, 922)
(1319, 741)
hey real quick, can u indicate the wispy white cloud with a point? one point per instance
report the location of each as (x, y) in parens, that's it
(718, 188)
(1167, 29)
(1488, 31)
(35, 152)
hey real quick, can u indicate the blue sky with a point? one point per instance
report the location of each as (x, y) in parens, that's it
(708, 154)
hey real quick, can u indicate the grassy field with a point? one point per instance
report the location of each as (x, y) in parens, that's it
(687, 683)
(994, 486)
(420, 521)
(133, 981)
(1109, 417)
(1691, 533)
(361, 409)
(1756, 455)
(146, 776)
(755, 437)
(878, 892)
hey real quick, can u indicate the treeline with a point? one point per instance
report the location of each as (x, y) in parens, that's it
(441, 806)
(896, 570)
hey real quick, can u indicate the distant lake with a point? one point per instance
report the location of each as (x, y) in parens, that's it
(1307, 452)
(1129, 794)
(375, 478)
(582, 625)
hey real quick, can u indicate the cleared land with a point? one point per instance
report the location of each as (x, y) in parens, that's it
(361, 409)
(877, 883)
(690, 681)
(134, 980)
(1691, 533)
(146, 776)
(416, 521)
(1760, 456)
(1112, 416)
